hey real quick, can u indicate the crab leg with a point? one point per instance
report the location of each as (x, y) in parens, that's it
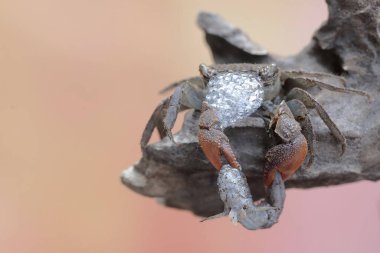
(306, 80)
(164, 116)
(310, 102)
(194, 81)
(172, 110)
(169, 108)
(152, 123)
(323, 77)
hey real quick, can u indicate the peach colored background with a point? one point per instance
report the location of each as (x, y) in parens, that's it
(78, 81)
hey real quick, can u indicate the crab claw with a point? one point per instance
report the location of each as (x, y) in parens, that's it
(213, 141)
(238, 202)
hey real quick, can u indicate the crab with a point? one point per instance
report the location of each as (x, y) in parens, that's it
(228, 93)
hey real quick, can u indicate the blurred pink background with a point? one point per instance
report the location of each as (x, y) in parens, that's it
(78, 81)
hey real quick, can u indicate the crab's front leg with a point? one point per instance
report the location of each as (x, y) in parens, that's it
(288, 156)
(187, 94)
(213, 141)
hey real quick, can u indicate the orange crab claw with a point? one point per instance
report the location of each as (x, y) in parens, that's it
(213, 141)
(288, 156)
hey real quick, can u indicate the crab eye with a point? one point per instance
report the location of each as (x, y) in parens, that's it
(269, 72)
(203, 69)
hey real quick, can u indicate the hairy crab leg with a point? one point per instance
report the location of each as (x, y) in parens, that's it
(306, 80)
(310, 102)
(185, 96)
(153, 122)
(172, 110)
(325, 77)
(163, 117)
(194, 81)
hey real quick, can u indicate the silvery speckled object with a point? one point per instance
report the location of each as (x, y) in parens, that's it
(234, 96)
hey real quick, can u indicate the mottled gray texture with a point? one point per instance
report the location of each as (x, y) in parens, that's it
(348, 44)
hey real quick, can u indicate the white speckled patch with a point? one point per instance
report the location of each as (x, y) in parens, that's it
(234, 96)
